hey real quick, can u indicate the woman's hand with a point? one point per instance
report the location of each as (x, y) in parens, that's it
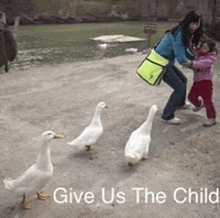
(187, 63)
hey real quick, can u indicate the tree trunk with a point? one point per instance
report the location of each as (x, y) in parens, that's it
(214, 12)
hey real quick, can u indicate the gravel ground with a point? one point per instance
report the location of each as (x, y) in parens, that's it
(180, 178)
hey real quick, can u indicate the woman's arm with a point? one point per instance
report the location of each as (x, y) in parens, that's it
(179, 48)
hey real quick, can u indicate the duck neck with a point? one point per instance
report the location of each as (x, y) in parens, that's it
(147, 125)
(96, 118)
(44, 158)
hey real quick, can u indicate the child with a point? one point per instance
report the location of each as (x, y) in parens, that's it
(201, 92)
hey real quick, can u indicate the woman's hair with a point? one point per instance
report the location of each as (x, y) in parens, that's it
(195, 17)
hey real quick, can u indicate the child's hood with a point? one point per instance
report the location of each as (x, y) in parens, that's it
(204, 60)
(198, 53)
(208, 53)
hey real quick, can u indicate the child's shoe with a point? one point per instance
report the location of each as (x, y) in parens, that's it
(196, 109)
(209, 122)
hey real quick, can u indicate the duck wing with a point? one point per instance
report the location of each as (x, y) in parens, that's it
(88, 137)
(29, 182)
(137, 143)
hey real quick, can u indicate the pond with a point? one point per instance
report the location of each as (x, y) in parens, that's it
(53, 44)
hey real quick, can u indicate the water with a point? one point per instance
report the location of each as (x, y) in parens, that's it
(53, 44)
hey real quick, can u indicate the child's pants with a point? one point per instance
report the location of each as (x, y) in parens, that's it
(204, 89)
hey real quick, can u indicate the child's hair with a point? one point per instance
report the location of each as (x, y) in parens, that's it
(211, 44)
(192, 16)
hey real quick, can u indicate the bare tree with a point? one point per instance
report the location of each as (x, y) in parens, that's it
(214, 12)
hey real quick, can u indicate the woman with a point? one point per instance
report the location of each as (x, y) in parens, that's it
(176, 44)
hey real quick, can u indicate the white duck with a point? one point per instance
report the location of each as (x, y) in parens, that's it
(103, 46)
(132, 50)
(137, 147)
(36, 177)
(91, 133)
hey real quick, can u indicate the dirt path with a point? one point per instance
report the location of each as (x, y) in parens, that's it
(63, 98)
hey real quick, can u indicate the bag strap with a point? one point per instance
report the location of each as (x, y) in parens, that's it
(155, 46)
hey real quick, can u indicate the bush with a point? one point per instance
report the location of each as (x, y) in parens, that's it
(126, 6)
(93, 8)
(213, 30)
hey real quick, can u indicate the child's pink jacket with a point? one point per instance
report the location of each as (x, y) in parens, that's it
(204, 62)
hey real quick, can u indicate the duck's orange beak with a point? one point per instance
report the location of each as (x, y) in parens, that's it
(58, 137)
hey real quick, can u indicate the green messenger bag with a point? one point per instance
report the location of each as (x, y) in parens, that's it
(152, 68)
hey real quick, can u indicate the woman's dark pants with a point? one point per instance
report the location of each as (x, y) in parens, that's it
(175, 79)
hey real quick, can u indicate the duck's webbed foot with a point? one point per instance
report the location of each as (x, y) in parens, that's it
(42, 196)
(89, 148)
(25, 205)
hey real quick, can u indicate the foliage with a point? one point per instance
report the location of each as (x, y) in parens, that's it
(93, 8)
(17, 7)
(49, 5)
(212, 30)
(126, 6)
(74, 7)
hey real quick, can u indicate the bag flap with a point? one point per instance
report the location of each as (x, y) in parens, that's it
(157, 58)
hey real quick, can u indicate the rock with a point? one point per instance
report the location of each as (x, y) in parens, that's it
(88, 18)
(25, 20)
